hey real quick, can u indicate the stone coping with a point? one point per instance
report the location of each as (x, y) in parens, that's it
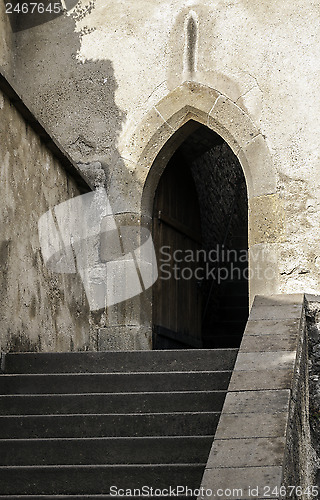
(250, 445)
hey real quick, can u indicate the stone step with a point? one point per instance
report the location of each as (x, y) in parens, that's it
(140, 402)
(113, 382)
(122, 361)
(104, 451)
(109, 425)
(74, 424)
(48, 480)
(231, 261)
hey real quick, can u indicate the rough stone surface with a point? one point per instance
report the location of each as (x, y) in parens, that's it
(268, 342)
(313, 328)
(6, 40)
(265, 360)
(103, 66)
(235, 482)
(253, 380)
(267, 387)
(251, 425)
(273, 312)
(257, 401)
(269, 228)
(123, 338)
(39, 310)
(247, 452)
(274, 327)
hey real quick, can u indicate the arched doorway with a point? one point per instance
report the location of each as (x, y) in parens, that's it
(200, 231)
(146, 150)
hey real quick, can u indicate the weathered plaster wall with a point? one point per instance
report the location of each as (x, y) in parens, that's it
(75, 98)
(100, 68)
(39, 310)
(6, 40)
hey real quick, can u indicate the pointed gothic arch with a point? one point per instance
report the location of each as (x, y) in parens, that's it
(146, 152)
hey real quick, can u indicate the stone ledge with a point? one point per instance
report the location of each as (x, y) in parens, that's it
(241, 478)
(254, 380)
(264, 360)
(283, 311)
(124, 338)
(269, 343)
(259, 417)
(266, 401)
(247, 452)
(282, 327)
(251, 425)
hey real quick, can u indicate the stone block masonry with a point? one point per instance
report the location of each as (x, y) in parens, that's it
(39, 310)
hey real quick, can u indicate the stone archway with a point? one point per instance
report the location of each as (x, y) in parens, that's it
(147, 151)
(200, 235)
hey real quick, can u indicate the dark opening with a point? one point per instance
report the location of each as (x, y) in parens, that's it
(200, 230)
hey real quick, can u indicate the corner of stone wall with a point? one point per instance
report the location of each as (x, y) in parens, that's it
(313, 332)
(299, 463)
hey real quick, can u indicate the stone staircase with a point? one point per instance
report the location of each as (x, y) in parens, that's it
(74, 424)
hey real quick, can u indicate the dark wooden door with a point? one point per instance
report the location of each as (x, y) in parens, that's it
(177, 237)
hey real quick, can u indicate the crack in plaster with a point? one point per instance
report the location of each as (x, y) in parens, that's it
(256, 80)
(245, 93)
(255, 136)
(211, 110)
(239, 108)
(155, 90)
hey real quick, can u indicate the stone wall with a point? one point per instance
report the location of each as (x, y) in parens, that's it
(102, 66)
(223, 203)
(300, 466)
(313, 328)
(112, 80)
(6, 40)
(39, 310)
(76, 99)
(263, 435)
(219, 181)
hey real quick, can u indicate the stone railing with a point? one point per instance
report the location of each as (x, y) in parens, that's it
(262, 444)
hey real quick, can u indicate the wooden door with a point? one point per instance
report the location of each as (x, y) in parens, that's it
(177, 236)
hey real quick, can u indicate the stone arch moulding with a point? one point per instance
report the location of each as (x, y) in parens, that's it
(146, 152)
(193, 101)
